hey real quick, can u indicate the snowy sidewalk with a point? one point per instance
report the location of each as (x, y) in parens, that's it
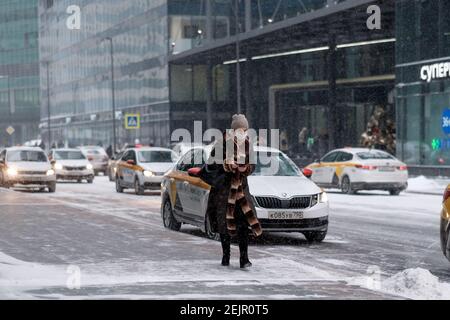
(424, 185)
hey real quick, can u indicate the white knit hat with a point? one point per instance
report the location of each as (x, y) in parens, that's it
(239, 122)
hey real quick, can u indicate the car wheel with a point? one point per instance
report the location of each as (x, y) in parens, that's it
(90, 180)
(315, 236)
(209, 232)
(52, 187)
(169, 220)
(394, 192)
(447, 248)
(138, 189)
(346, 186)
(79, 181)
(119, 188)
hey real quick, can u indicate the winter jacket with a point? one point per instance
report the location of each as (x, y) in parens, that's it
(220, 181)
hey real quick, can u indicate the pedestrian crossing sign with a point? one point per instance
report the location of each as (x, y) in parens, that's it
(132, 121)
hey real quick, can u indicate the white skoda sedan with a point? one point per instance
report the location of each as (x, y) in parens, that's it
(285, 200)
(353, 169)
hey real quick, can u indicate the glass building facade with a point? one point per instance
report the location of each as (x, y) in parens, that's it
(19, 71)
(77, 69)
(295, 85)
(423, 81)
(175, 62)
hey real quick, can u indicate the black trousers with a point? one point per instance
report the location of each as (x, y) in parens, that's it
(242, 235)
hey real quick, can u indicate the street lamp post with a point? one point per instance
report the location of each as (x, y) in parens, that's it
(47, 63)
(238, 58)
(113, 93)
(9, 106)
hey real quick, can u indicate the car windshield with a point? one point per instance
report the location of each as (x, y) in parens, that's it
(275, 164)
(31, 156)
(69, 155)
(156, 156)
(373, 155)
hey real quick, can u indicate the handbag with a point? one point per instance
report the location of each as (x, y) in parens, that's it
(213, 174)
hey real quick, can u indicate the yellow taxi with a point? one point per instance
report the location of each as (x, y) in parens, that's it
(445, 223)
(143, 168)
(354, 169)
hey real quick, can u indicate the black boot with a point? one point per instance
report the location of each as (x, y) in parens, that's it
(226, 249)
(243, 249)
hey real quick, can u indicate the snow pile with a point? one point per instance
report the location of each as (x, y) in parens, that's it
(417, 284)
(17, 276)
(424, 184)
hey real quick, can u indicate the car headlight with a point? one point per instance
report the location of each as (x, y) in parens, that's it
(89, 166)
(58, 166)
(323, 197)
(12, 172)
(50, 172)
(148, 174)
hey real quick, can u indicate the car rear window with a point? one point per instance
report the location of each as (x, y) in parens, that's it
(373, 155)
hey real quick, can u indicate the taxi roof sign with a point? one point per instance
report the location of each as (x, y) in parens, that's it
(132, 121)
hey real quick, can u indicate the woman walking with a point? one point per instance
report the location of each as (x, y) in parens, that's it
(230, 209)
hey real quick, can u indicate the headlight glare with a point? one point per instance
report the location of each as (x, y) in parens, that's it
(89, 166)
(50, 172)
(12, 172)
(323, 197)
(58, 166)
(148, 174)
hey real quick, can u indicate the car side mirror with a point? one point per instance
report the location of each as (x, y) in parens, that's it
(2, 161)
(307, 172)
(53, 162)
(131, 162)
(194, 172)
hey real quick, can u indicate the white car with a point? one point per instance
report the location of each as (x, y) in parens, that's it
(71, 164)
(97, 157)
(143, 168)
(182, 147)
(285, 200)
(26, 167)
(353, 169)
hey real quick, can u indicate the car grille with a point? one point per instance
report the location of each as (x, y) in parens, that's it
(293, 203)
(74, 168)
(32, 173)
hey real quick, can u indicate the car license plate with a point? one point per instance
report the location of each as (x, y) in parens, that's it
(286, 215)
(386, 169)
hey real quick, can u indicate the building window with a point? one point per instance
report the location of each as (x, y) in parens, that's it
(48, 4)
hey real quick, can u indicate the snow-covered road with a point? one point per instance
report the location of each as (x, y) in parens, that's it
(378, 247)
